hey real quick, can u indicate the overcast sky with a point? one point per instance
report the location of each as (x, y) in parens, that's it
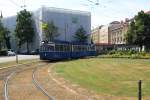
(107, 11)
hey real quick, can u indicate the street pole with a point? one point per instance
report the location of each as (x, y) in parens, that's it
(17, 51)
(140, 90)
(17, 57)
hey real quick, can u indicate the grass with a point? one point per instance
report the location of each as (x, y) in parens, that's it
(13, 63)
(117, 77)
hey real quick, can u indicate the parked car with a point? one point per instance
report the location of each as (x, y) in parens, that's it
(11, 53)
(35, 52)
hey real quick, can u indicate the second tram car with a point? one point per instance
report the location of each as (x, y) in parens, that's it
(65, 50)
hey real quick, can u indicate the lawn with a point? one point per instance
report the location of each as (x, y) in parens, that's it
(118, 77)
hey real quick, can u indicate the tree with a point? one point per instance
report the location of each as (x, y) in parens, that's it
(139, 30)
(81, 35)
(4, 36)
(7, 38)
(24, 28)
(131, 35)
(1, 34)
(50, 31)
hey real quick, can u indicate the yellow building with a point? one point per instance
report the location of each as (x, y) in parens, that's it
(113, 33)
(118, 33)
(96, 34)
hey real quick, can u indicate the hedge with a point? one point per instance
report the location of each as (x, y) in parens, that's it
(3, 52)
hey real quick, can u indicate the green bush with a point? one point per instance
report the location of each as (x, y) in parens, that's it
(3, 52)
(128, 54)
(111, 52)
(122, 52)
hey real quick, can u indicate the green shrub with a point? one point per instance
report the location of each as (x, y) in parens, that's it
(111, 52)
(128, 54)
(147, 55)
(3, 52)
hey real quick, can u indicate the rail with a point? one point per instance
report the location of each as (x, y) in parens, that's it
(36, 83)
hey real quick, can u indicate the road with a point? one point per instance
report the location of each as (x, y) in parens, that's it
(20, 57)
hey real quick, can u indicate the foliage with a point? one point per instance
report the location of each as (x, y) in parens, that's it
(1, 34)
(24, 28)
(4, 36)
(50, 30)
(139, 30)
(131, 34)
(3, 52)
(127, 54)
(7, 38)
(81, 35)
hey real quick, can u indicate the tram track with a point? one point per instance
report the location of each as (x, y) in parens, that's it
(38, 85)
(32, 82)
(10, 73)
(15, 71)
(6, 71)
(6, 96)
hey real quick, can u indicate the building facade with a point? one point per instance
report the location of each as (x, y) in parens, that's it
(95, 35)
(67, 21)
(104, 35)
(118, 32)
(113, 33)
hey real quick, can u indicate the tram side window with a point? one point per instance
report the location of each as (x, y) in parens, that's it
(82, 48)
(91, 48)
(50, 48)
(75, 48)
(79, 48)
(67, 48)
(43, 48)
(85, 48)
(59, 48)
(46, 48)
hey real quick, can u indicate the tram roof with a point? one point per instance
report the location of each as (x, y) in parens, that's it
(66, 42)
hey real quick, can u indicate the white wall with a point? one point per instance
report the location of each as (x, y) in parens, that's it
(62, 18)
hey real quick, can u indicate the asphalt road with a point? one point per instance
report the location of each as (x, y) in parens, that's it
(20, 57)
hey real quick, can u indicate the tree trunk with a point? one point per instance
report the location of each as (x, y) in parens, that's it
(27, 47)
(7, 41)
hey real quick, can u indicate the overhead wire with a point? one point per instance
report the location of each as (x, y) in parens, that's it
(103, 5)
(93, 6)
(14, 3)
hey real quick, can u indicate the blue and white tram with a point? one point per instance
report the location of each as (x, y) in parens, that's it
(65, 50)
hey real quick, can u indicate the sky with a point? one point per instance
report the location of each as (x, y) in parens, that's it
(102, 14)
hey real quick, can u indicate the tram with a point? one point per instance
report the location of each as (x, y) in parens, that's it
(65, 50)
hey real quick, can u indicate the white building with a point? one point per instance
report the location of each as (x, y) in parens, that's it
(67, 21)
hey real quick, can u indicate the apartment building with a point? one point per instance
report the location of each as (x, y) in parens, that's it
(95, 35)
(113, 33)
(102, 34)
(105, 35)
(118, 32)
